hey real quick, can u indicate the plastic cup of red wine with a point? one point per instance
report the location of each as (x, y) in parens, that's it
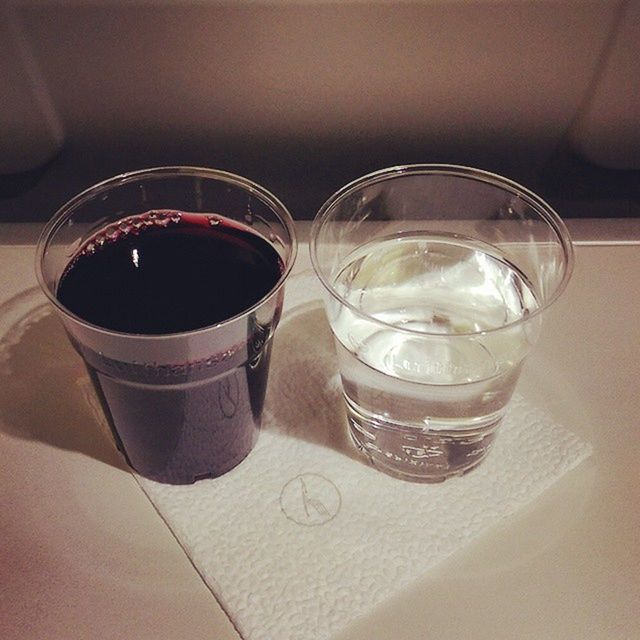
(169, 283)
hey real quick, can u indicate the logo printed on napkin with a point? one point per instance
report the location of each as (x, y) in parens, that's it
(310, 499)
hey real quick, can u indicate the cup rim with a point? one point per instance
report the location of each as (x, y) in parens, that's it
(543, 208)
(66, 210)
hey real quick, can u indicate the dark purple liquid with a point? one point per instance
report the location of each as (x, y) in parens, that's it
(164, 273)
(170, 273)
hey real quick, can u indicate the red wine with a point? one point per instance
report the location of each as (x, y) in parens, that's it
(167, 272)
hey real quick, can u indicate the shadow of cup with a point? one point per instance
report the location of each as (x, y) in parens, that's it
(305, 396)
(45, 392)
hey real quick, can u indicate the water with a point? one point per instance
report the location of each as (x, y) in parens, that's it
(427, 384)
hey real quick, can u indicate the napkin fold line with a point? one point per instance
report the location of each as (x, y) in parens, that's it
(211, 584)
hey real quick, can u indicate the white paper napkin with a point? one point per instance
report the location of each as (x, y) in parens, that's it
(303, 536)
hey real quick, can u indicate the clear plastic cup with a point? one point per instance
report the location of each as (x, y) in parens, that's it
(182, 405)
(437, 280)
